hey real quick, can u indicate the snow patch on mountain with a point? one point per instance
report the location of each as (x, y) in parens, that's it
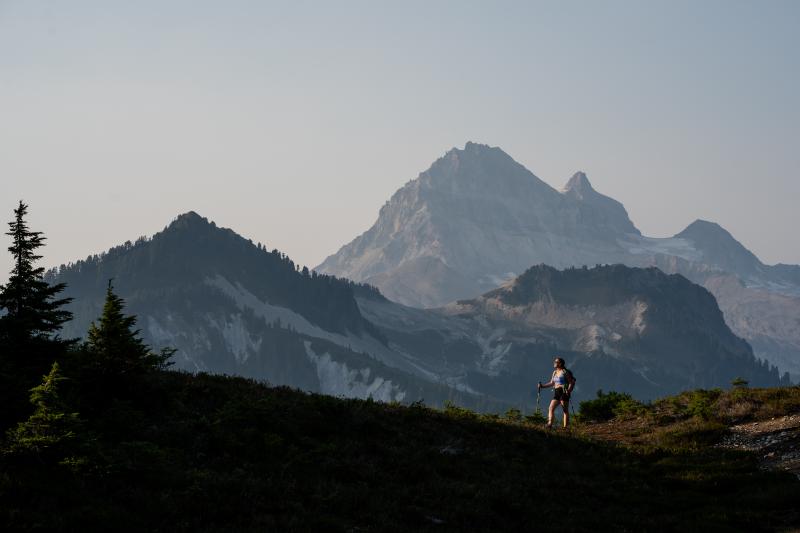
(595, 337)
(644, 372)
(458, 383)
(158, 333)
(335, 378)
(591, 339)
(164, 335)
(785, 289)
(497, 280)
(639, 322)
(663, 246)
(237, 337)
(493, 351)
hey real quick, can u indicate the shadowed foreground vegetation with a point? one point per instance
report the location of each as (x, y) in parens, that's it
(111, 441)
(212, 453)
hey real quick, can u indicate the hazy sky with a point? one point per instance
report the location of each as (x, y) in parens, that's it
(293, 122)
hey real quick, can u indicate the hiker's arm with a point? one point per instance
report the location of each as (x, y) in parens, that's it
(548, 384)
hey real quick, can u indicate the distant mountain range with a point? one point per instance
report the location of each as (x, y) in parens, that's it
(476, 219)
(231, 306)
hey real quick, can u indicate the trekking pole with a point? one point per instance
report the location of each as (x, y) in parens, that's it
(539, 399)
(572, 405)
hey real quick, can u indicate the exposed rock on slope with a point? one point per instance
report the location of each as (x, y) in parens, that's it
(629, 329)
(230, 306)
(473, 220)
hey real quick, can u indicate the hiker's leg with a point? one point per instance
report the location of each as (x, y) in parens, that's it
(551, 412)
(565, 408)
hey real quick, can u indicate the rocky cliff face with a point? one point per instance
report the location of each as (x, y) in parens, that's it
(632, 329)
(477, 218)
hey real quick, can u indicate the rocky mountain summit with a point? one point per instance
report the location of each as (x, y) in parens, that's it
(476, 219)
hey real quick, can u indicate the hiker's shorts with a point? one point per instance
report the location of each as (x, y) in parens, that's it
(560, 394)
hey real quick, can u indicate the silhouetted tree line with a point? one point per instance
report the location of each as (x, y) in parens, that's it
(63, 376)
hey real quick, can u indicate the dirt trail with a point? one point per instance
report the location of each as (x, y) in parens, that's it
(776, 441)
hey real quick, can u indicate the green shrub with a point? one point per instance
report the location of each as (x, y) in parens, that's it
(701, 403)
(610, 405)
(630, 407)
(536, 418)
(456, 411)
(513, 415)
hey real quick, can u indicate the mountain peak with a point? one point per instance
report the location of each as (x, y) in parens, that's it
(720, 248)
(578, 185)
(477, 147)
(476, 150)
(189, 220)
(190, 217)
(480, 169)
(705, 230)
(481, 211)
(705, 226)
(604, 211)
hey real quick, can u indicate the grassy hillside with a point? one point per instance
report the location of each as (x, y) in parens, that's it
(211, 453)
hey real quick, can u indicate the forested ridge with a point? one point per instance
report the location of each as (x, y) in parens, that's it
(191, 249)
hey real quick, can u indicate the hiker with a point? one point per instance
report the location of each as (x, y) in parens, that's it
(562, 382)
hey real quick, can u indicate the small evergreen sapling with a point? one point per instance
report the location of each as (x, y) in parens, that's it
(51, 431)
(739, 382)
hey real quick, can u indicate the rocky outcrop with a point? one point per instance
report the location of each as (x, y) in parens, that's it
(627, 329)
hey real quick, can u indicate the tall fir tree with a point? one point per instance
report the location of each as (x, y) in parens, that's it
(33, 310)
(113, 346)
(32, 318)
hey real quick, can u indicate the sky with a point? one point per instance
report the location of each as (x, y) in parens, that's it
(294, 122)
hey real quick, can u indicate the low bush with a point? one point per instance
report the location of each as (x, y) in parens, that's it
(610, 405)
(690, 435)
(701, 403)
(513, 415)
(456, 411)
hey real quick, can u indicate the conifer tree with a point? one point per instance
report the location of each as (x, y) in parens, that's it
(51, 429)
(32, 315)
(33, 311)
(114, 347)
